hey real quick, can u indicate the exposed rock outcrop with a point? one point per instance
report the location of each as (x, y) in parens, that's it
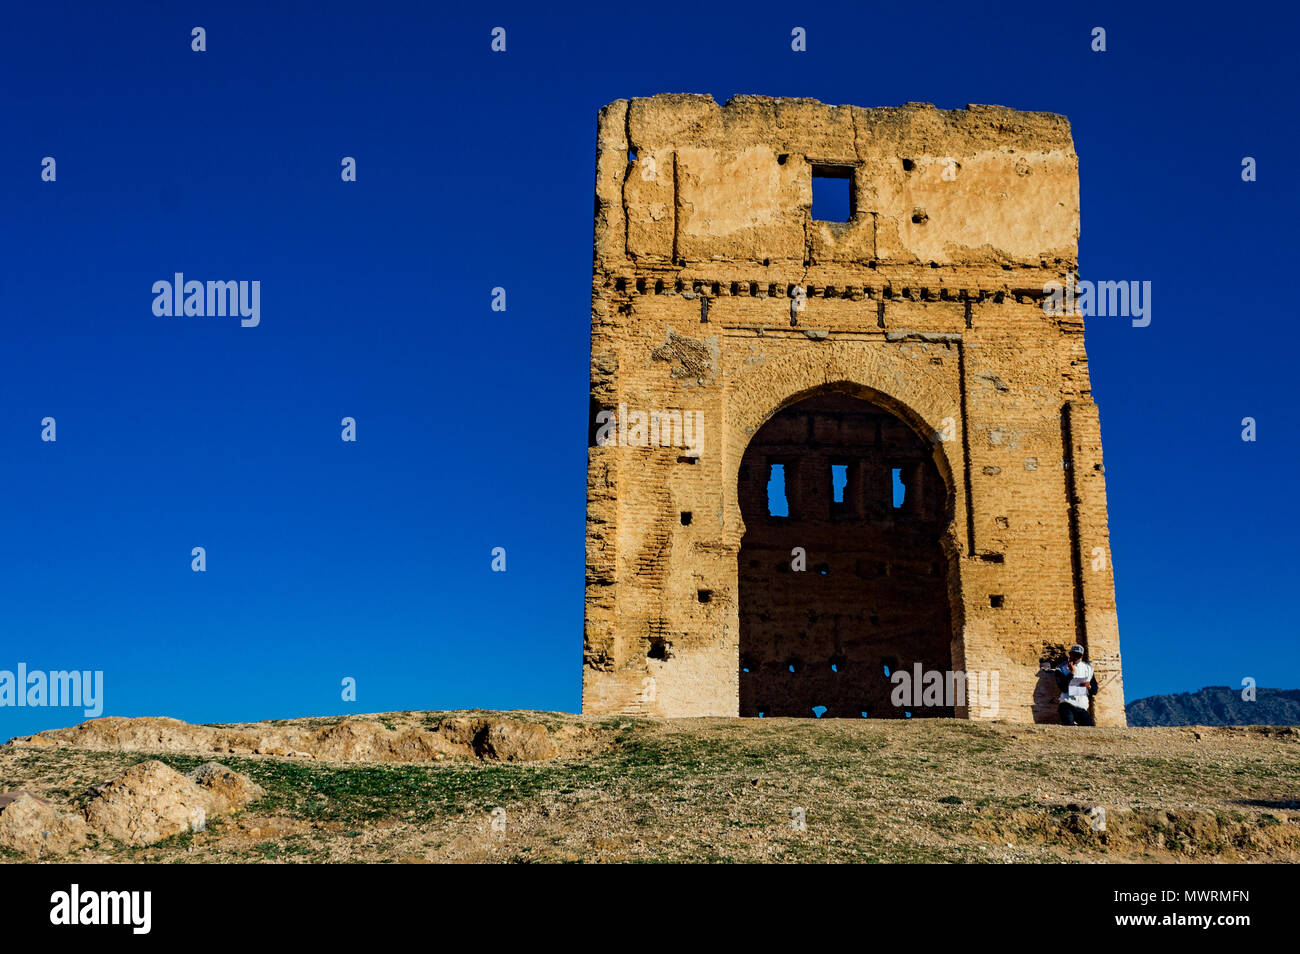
(350, 740)
(227, 790)
(32, 826)
(152, 801)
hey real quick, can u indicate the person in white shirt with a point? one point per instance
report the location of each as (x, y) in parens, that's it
(1077, 683)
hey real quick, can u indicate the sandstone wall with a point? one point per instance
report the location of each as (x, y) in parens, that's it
(715, 292)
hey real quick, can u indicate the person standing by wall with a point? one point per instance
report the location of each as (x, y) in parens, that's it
(1078, 684)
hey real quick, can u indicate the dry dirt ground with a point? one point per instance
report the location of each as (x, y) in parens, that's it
(431, 787)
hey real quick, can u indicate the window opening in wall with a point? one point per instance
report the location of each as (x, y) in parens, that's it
(778, 505)
(839, 480)
(832, 188)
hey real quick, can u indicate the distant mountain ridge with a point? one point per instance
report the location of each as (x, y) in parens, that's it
(1217, 705)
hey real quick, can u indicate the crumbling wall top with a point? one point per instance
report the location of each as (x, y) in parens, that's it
(682, 179)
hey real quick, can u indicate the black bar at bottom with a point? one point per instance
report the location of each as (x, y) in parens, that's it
(302, 904)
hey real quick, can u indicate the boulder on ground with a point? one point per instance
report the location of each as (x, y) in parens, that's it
(152, 801)
(228, 790)
(33, 827)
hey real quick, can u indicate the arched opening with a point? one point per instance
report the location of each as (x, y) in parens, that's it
(842, 569)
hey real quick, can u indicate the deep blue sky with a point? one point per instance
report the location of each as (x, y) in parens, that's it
(475, 170)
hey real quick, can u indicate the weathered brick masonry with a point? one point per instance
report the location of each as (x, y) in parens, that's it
(905, 347)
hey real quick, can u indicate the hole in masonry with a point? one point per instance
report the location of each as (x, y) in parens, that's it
(686, 518)
(908, 165)
(659, 287)
(778, 505)
(919, 217)
(780, 160)
(658, 648)
(832, 189)
(839, 480)
(687, 459)
(996, 601)
(704, 596)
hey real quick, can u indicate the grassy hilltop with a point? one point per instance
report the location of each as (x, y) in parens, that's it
(717, 790)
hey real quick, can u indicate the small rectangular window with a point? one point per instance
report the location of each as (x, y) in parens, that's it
(778, 505)
(900, 488)
(832, 188)
(839, 480)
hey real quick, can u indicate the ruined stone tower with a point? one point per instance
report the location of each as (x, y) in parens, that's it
(826, 452)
